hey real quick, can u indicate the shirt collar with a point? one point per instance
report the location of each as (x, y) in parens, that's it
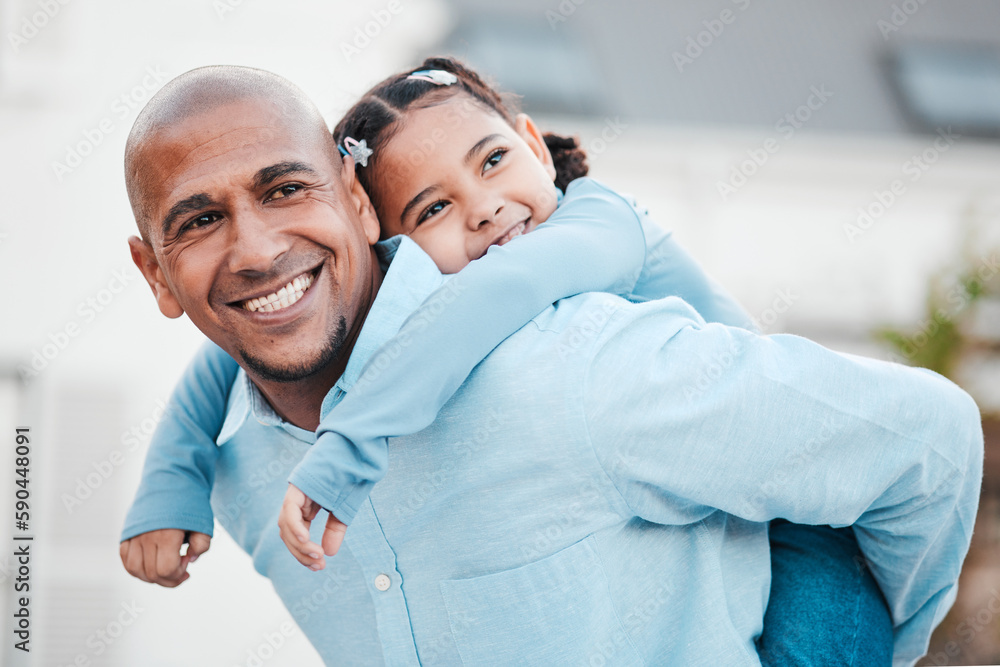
(245, 400)
(238, 408)
(410, 277)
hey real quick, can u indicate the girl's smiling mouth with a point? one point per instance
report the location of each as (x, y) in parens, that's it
(513, 232)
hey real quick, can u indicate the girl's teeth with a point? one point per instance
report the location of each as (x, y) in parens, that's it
(517, 231)
(283, 298)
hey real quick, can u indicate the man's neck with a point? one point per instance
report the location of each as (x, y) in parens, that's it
(300, 402)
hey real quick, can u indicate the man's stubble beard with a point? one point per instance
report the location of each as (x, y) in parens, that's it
(294, 373)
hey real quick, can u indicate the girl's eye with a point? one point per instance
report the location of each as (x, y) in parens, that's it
(493, 159)
(431, 211)
(200, 221)
(285, 191)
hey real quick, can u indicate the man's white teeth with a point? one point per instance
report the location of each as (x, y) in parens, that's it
(514, 233)
(283, 298)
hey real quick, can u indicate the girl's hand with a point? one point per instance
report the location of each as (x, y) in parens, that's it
(155, 557)
(297, 513)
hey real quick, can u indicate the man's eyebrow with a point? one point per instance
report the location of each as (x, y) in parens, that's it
(416, 200)
(187, 205)
(479, 145)
(269, 175)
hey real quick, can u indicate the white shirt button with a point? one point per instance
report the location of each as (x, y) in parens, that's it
(382, 582)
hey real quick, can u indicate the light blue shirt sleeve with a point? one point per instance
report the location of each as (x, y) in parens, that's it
(766, 427)
(593, 242)
(179, 471)
(670, 271)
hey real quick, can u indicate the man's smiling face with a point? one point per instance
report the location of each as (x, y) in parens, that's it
(256, 232)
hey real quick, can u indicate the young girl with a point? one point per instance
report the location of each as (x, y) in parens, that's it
(445, 162)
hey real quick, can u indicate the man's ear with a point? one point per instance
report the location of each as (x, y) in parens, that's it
(363, 205)
(145, 259)
(527, 130)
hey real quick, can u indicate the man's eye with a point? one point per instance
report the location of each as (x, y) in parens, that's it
(201, 221)
(494, 158)
(431, 211)
(285, 191)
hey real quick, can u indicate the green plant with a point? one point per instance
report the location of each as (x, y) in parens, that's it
(939, 340)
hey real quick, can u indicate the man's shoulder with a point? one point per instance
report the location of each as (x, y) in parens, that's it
(572, 311)
(584, 321)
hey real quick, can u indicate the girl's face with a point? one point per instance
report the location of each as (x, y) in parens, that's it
(457, 179)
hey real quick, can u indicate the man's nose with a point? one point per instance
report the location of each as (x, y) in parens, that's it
(254, 245)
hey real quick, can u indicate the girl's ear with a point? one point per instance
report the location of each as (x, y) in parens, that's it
(361, 201)
(527, 130)
(145, 260)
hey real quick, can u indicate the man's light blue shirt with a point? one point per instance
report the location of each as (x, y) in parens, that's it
(596, 492)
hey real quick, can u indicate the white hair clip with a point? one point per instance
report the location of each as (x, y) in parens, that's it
(357, 149)
(435, 76)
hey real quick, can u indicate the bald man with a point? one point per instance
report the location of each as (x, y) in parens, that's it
(575, 523)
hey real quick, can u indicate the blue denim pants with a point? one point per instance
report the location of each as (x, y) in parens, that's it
(825, 608)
